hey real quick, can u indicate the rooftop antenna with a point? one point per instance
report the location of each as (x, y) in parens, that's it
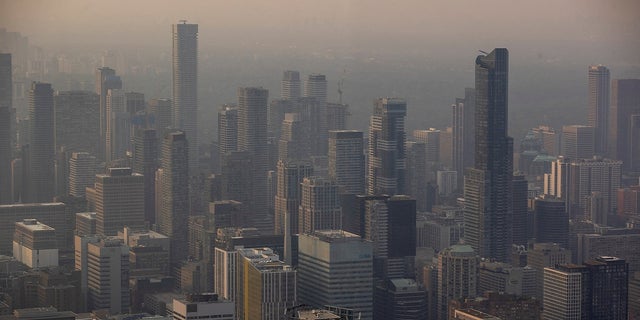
(340, 84)
(183, 21)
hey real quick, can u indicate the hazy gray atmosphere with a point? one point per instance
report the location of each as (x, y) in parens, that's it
(420, 50)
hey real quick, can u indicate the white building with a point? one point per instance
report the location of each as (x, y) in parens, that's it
(203, 306)
(34, 244)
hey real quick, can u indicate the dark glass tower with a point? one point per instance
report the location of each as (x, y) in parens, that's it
(5, 127)
(488, 199)
(40, 166)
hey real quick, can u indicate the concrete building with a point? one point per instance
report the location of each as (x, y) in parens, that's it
(82, 173)
(400, 299)
(85, 223)
(34, 244)
(336, 269)
(542, 255)
(502, 277)
(145, 162)
(202, 306)
(457, 276)
(623, 244)
(52, 214)
(108, 275)
(319, 205)
(266, 285)
(578, 142)
(295, 140)
(463, 133)
(598, 117)
(447, 182)
(161, 111)
(625, 108)
(6, 105)
(431, 138)
(290, 85)
(417, 174)
(337, 116)
(346, 160)
(437, 232)
(105, 79)
(227, 130)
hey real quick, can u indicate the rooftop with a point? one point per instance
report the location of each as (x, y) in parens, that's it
(34, 225)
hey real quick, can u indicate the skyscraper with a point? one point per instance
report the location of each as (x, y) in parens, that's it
(82, 173)
(173, 213)
(252, 137)
(319, 206)
(625, 103)
(40, 165)
(105, 79)
(315, 111)
(185, 86)
(464, 132)
(520, 196)
(118, 125)
(77, 121)
(161, 111)
(108, 275)
(316, 86)
(386, 147)
(290, 85)
(6, 90)
(599, 106)
(457, 276)
(227, 130)
(487, 191)
(145, 162)
(415, 185)
(578, 142)
(346, 160)
(295, 142)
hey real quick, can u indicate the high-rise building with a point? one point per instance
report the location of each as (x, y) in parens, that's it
(185, 86)
(549, 138)
(6, 103)
(315, 86)
(520, 209)
(173, 212)
(578, 142)
(82, 173)
(288, 198)
(346, 160)
(295, 141)
(203, 306)
(337, 116)
(608, 279)
(266, 285)
(447, 182)
(336, 269)
(563, 292)
(119, 200)
(34, 244)
(399, 299)
(290, 85)
(487, 188)
(252, 137)
(161, 111)
(598, 118)
(106, 79)
(85, 223)
(145, 162)
(77, 121)
(625, 103)
(118, 133)
(464, 133)
(108, 275)
(319, 205)
(634, 142)
(457, 276)
(227, 130)
(431, 139)
(542, 255)
(39, 166)
(387, 167)
(416, 174)
(592, 175)
(505, 278)
(54, 215)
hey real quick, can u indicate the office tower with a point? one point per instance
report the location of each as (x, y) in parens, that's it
(106, 79)
(315, 86)
(108, 275)
(505, 278)
(578, 142)
(386, 147)
(119, 200)
(609, 287)
(592, 175)
(463, 133)
(276, 110)
(634, 142)
(457, 276)
(148, 252)
(290, 85)
(416, 173)
(236, 181)
(161, 111)
(625, 103)
(549, 138)
(295, 141)
(6, 104)
(34, 244)
(173, 211)
(621, 243)
(346, 160)
(54, 215)
(85, 223)
(252, 137)
(520, 197)
(437, 232)
(628, 201)
(598, 117)
(288, 198)
(227, 130)
(488, 194)
(202, 306)
(39, 166)
(118, 133)
(399, 299)
(563, 292)
(185, 86)
(431, 139)
(82, 173)
(336, 269)
(134, 102)
(77, 121)
(319, 205)
(542, 255)
(447, 182)
(337, 115)
(145, 162)
(266, 285)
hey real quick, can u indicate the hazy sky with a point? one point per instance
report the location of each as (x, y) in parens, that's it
(597, 27)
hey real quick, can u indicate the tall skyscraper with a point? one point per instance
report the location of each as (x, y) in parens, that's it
(520, 197)
(346, 160)
(227, 130)
(592, 175)
(77, 121)
(551, 222)
(119, 200)
(105, 79)
(185, 86)
(487, 191)
(287, 200)
(118, 125)
(625, 103)
(336, 269)
(431, 139)
(463, 131)
(145, 162)
(457, 276)
(416, 178)
(386, 147)
(295, 141)
(578, 142)
(82, 173)
(161, 111)
(173, 213)
(599, 83)
(290, 85)
(252, 137)
(6, 103)
(314, 110)
(319, 206)
(316, 86)
(39, 165)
